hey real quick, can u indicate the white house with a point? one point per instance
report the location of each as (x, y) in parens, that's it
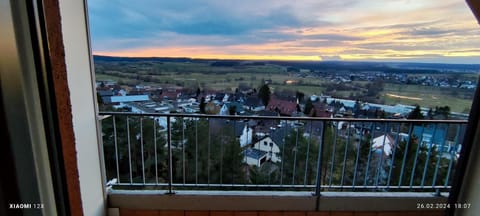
(385, 141)
(266, 144)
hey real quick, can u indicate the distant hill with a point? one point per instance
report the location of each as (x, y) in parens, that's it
(394, 67)
(138, 59)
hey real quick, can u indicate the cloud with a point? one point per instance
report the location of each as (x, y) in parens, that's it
(431, 32)
(330, 58)
(333, 37)
(351, 29)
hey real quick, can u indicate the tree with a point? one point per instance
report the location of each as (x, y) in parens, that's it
(198, 92)
(444, 111)
(308, 107)
(207, 156)
(264, 94)
(430, 113)
(418, 160)
(135, 150)
(357, 108)
(202, 105)
(416, 113)
(232, 110)
(298, 149)
(300, 96)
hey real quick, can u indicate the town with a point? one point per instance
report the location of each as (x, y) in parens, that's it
(266, 142)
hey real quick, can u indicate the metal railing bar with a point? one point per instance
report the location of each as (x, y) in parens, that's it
(333, 152)
(357, 158)
(429, 152)
(395, 146)
(319, 163)
(347, 143)
(155, 148)
(245, 151)
(308, 153)
(405, 153)
(170, 165)
(129, 150)
(116, 148)
(232, 153)
(208, 154)
(380, 163)
(221, 162)
(183, 150)
(372, 134)
(283, 151)
(439, 157)
(295, 156)
(416, 156)
(196, 152)
(141, 149)
(452, 153)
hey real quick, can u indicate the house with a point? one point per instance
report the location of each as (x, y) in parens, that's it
(283, 107)
(321, 110)
(170, 94)
(253, 104)
(254, 157)
(235, 106)
(384, 141)
(267, 144)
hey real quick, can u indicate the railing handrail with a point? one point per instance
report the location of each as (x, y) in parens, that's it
(242, 117)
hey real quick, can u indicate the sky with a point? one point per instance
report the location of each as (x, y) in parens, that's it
(442, 31)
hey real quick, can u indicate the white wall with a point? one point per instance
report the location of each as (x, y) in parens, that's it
(77, 57)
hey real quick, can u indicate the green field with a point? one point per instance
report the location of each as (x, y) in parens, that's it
(427, 96)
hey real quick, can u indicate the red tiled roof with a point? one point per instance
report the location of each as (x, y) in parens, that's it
(285, 107)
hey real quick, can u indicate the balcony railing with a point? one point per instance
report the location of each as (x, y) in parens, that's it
(175, 152)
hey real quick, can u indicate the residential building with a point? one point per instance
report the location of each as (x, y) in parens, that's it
(266, 144)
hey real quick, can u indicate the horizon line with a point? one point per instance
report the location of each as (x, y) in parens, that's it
(288, 60)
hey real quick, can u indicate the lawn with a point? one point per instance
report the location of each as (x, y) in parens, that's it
(427, 96)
